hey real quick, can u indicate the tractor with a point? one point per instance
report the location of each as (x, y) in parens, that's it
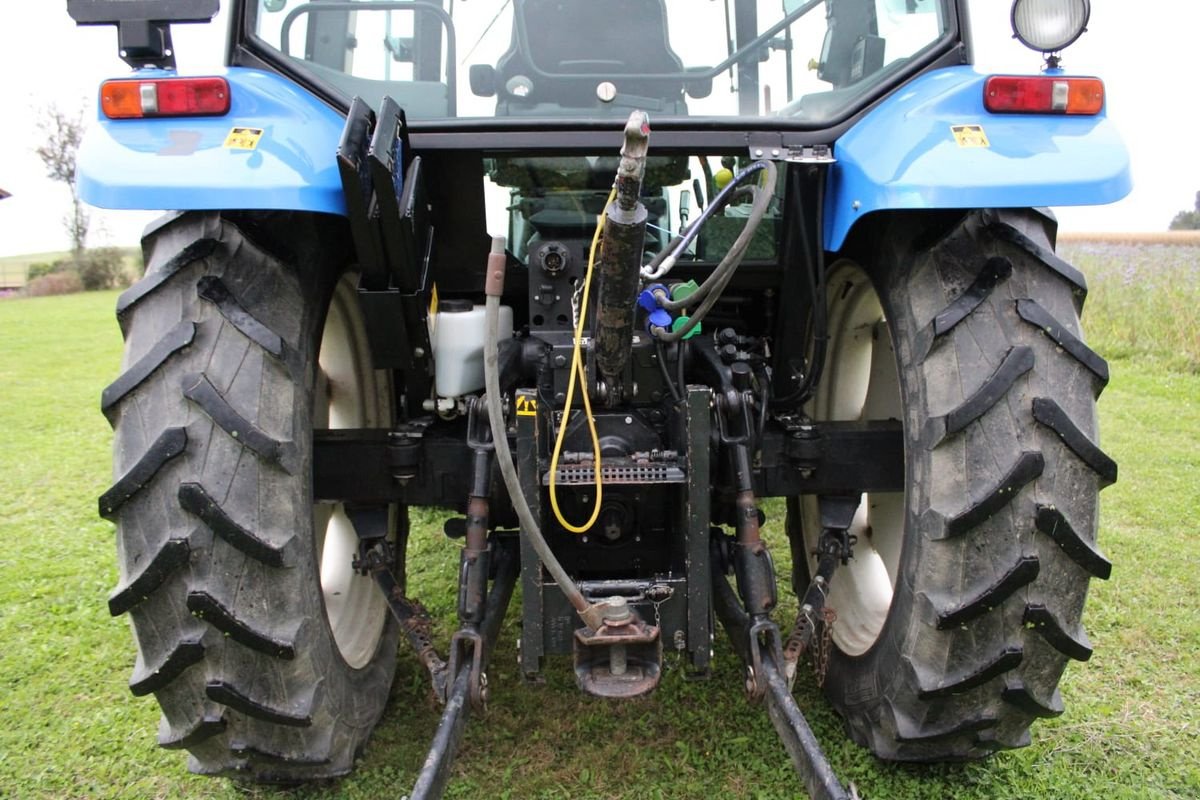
(644, 265)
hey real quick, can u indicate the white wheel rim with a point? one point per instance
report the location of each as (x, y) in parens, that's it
(861, 382)
(348, 394)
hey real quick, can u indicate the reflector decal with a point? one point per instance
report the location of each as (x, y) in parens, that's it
(970, 136)
(243, 138)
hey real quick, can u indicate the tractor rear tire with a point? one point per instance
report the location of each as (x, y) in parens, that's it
(952, 635)
(270, 658)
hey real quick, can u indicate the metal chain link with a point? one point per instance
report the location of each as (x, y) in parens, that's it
(825, 646)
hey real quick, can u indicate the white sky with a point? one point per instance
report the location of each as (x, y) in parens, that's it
(1142, 50)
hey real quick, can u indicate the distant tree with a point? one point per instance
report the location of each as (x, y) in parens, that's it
(61, 133)
(1188, 220)
(101, 268)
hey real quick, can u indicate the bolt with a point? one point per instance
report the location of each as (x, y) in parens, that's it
(560, 397)
(617, 662)
(775, 151)
(418, 352)
(629, 420)
(758, 153)
(560, 360)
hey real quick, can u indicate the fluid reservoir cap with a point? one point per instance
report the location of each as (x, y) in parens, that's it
(455, 306)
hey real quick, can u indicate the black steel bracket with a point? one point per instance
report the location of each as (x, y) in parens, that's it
(388, 212)
(143, 26)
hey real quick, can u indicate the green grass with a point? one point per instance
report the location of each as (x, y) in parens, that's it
(1144, 300)
(69, 728)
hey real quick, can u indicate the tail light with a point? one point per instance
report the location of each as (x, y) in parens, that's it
(164, 97)
(1043, 94)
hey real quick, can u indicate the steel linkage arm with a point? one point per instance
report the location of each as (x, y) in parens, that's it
(431, 782)
(758, 644)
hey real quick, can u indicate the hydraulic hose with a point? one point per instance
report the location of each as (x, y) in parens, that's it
(592, 615)
(712, 288)
(815, 256)
(664, 262)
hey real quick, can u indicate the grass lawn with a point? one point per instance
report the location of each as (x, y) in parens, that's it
(69, 727)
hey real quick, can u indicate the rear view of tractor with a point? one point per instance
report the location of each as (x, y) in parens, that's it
(645, 264)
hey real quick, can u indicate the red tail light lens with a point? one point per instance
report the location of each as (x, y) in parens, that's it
(1043, 94)
(165, 97)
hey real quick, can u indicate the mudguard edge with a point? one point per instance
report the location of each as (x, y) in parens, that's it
(183, 163)
(903, 155)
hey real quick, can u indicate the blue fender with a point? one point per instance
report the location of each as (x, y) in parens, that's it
(183, 163)
(903, 155)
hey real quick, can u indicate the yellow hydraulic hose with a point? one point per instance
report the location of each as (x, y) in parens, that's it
(577, 373)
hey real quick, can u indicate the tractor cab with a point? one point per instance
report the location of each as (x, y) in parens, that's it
(578, 59)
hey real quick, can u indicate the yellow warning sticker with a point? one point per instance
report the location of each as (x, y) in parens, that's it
(243, 138)
(970, 136)
(526, 406)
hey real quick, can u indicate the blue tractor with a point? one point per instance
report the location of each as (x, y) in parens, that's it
(645, 264)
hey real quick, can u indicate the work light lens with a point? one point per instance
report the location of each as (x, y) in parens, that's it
(1049, 25)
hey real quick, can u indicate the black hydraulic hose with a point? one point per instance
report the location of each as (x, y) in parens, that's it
(660, 351)
(820, 334)
(676, 246)
(733, 259)
(682, 350)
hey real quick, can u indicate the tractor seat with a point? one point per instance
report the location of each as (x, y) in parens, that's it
(571, 46)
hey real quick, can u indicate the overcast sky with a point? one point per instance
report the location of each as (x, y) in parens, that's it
(1145, 52)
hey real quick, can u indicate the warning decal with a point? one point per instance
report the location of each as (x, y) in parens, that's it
(526, 406)
(970, 136)
(243, 138)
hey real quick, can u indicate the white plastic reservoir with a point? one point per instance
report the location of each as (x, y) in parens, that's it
(457, 340)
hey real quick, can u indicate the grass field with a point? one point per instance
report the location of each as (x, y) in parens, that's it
(69, 728)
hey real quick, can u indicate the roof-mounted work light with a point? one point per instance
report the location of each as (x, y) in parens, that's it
(1049, 26)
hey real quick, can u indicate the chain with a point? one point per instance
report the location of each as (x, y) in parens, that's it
(825, 646)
